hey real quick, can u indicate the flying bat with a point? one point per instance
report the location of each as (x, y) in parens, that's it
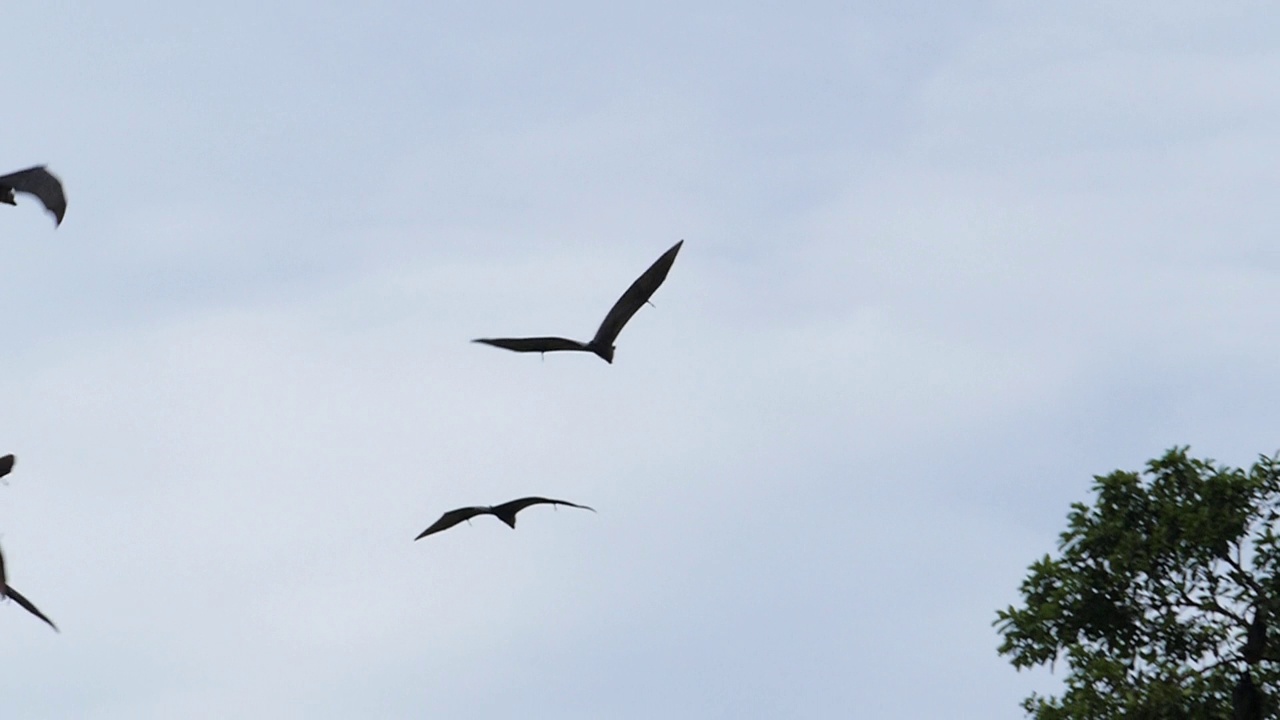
(506, 512)
(39, 182)
(602, 344)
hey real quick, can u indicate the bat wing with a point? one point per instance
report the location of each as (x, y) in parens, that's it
(43, 184)
(635, 297)
(534, 344)
(6, 467)
(26, 604)
(453, 517)
(507, 511)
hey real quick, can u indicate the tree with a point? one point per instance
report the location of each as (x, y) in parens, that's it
(1151, 600)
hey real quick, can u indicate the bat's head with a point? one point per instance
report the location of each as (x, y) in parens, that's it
(6, 196)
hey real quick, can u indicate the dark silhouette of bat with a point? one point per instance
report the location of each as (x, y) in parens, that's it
(1255, 641)
(6, 590)
(602, 344)
(6, 464)
(39, 182)
(1246, 702)
(506, 512)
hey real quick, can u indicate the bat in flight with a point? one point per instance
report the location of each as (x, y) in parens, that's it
(6, 590)
(506, 512)
(602, 344)
(39, 182)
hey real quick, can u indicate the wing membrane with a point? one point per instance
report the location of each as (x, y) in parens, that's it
(534, 344)
(453, 517)
(43, 184)
(27, 605)
(635, 297)
(507, 510)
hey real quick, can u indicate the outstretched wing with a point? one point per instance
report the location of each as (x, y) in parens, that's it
(635, 297)
(39, 182)
(26, 604)
(453, 517)
(6, 467)
(534, 344)
(507, 510)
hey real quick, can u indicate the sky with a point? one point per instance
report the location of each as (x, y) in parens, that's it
(943, 264)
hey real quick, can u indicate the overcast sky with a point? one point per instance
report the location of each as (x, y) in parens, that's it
(943, 263)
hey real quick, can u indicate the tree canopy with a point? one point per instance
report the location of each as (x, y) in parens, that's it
(1157, 602)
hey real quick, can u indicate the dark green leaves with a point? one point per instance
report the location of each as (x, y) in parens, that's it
(1150, 597)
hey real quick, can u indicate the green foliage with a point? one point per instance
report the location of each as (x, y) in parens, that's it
(1155, 584)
